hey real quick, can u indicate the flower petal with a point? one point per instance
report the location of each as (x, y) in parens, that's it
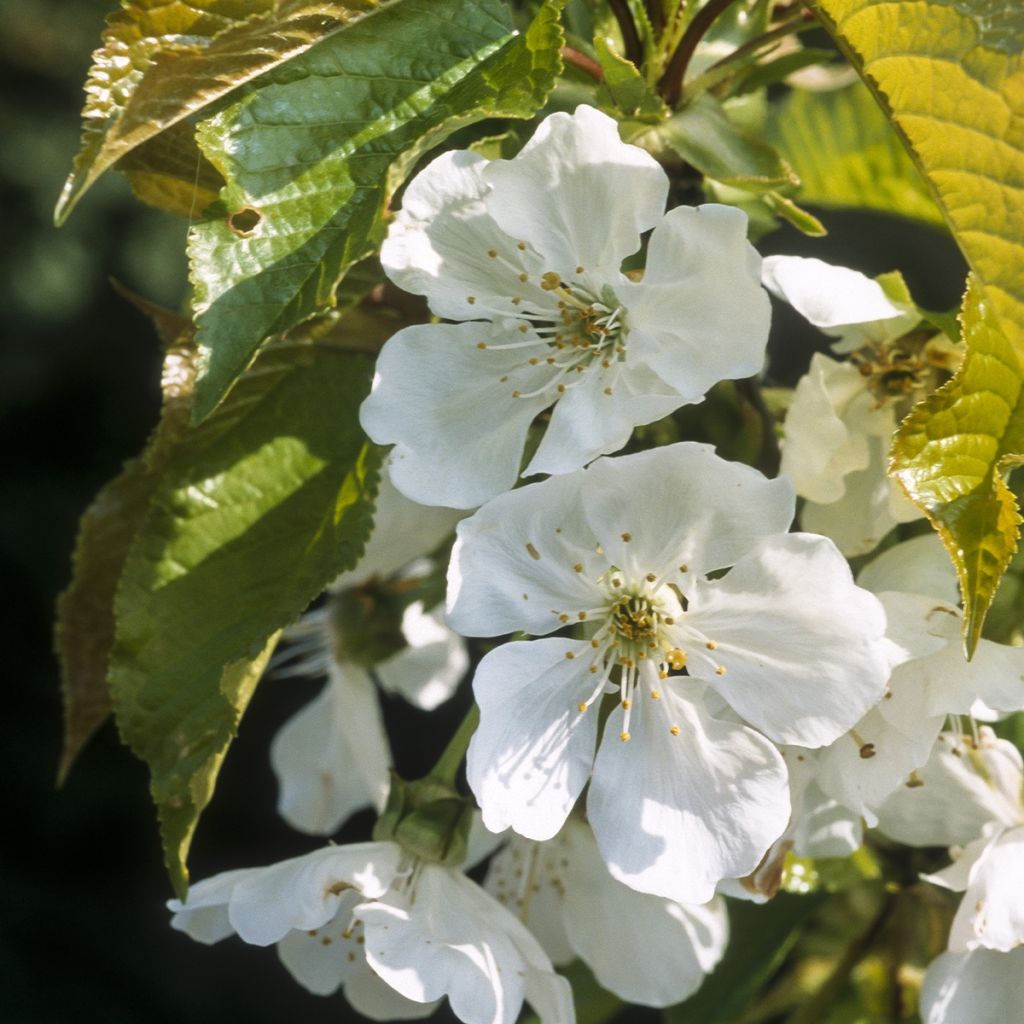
(980, 987)
(991, 914)
(204, 915)
(916, 566)
(681, 505)
(803, 647)
(700, 314)
(675, 814)
(332, 757)
(578, 194)
(531, 755)
(321, 959)
(428, 671)
(514, 562)
(306, 892)
(453, 940)
(614, 929)
(375, 998)
(433, 389)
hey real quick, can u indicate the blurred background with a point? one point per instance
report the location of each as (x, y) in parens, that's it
(84, 931)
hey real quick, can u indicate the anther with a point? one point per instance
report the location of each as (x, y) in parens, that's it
(563, 618)
(868, 750)
(668, 620)
(493, 253)
(579, 270)
(523, 328)
(627, 537)
(676, 659)
(624, 736)
(524, 277)
(533, 552)
(533, 360)
(549, 281)
(581, 616)
(627, 704)
(471, 299)
(515, 394)
(608, 391)
(569, 655)
(674, 729)
(711, 645)
(720, 670)
(521, 246)
(578, 567)
(650, 577)
(481, 344)
(581, 708)
(655, 694)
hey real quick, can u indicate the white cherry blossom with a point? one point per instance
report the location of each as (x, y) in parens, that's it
(630, 552)
(644, 949)
(840, 424)
(526, 253)
(397, 934)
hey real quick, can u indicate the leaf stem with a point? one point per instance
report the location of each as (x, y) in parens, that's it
(671, 85)
(447, 768)
(583, 62)
(630, 35)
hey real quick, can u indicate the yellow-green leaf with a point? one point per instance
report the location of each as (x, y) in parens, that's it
(163, 60)
(846, 153)
(952, 454)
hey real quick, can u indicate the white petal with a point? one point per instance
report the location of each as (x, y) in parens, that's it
(402, 530)
(587, 421)
(979, 987)
(428, 671)
(802, 645)
(332, 757)
(433, 389)
(578, 194)
(832, 298)
(952, 802)
(820, 448)
(642, 948)
(321, 959)
(452, 940)
(441, 241)
(204, 915)
(700, 314)
(991, 914)
(376, 999)
(529, 879)
(681, 505)
(917, 566)
(824, 827)
(673, 815)
(531, 755)
(513, 565)
(306, 892)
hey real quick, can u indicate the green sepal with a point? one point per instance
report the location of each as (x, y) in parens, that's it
(366, 624)
(428, 819)
(624, 88)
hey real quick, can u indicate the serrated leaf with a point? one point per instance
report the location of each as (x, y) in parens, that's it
(170, 173)
(952, 453)
(760, 938)
(309, 154)
(164, 60)
(703, 135)
(951, 73)
(256, 511)
(846, 154)
(84, 633)
(625, 87)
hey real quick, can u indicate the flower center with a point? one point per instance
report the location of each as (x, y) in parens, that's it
(899, 368)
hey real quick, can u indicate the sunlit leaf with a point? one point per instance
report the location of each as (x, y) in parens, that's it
(952, 454)
(846, 153)
(164, 60)
(625, 87)
(309, 155)
(255, 512)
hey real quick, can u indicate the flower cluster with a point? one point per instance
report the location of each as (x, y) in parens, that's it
(683, 689)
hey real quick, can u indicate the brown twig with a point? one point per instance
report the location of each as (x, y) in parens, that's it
(671, 85)
(627, 26)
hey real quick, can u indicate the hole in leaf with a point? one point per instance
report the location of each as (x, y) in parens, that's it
(244, 222)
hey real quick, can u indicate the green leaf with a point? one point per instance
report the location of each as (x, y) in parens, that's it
(847, 154)
(951, 74)
(256, 511)
(170, 173)
(164, 60)
(625, 87)
(84, 633)
(309, 153)
(952, 453)
(760, 938)
(703, 135)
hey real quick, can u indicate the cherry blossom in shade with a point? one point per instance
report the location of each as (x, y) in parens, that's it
(644, 949)
(398, 934)
(840, 424)
(526, 254)
(686, 787)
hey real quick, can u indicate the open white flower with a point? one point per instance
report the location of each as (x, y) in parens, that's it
(644, 949)
(840, 424)
(396, 933)
(979, 987)
(527, 253)
(624, 550)
(916, 584)
(332, 757)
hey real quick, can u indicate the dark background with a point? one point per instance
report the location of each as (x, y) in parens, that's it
(84, 934)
